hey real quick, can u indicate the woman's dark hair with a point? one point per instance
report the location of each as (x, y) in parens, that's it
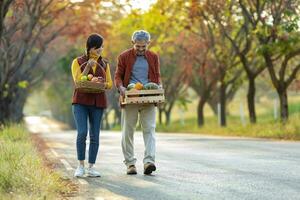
(94, 40)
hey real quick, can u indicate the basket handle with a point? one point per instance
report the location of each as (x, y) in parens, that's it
(103, 71)
(86, 70)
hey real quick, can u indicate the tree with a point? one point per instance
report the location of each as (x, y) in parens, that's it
(275, 24)
(29, 30)
(200, 70)
(222, 55)
(173, 80)
(236, 31)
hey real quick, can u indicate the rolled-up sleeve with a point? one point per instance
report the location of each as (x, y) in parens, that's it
(119, 74)
(158, 69)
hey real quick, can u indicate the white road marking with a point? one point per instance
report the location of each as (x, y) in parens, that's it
(54, 153)
(83, 182)
(66, 164)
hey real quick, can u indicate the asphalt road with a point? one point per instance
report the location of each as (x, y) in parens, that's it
(188, 167)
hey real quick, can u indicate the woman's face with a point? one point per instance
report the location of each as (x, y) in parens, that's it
(96, 52)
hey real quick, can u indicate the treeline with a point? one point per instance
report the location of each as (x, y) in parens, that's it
(213, 47)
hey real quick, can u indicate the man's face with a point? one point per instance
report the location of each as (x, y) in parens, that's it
(140, 47)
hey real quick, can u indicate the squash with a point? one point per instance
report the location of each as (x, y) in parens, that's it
(151, 86)
(130, 86)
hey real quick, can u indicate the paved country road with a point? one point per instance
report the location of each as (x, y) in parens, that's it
(188, 166)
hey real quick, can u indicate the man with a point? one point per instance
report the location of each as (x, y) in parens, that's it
(138, 64)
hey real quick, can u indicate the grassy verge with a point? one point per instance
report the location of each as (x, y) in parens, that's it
(22, 172)
(265, 128)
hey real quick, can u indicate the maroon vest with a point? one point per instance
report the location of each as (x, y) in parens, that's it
(91, 99)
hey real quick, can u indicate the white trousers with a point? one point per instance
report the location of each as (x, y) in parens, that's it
(129, 120)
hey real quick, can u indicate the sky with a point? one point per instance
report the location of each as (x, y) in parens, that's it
(141, 4)
(136, 4)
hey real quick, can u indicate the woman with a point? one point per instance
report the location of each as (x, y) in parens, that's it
(89, 107)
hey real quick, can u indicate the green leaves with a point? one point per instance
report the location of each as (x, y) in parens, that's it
(23, 84)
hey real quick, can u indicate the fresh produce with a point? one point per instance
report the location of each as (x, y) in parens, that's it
(94, 79)
(98, 79)
(138, 86)
(130, 86)
(84, 78)
(90, 76)
(150, 86)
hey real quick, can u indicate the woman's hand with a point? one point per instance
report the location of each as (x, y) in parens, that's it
(88, 66)
(91, 63)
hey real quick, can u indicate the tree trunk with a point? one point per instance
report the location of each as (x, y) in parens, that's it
(168, 117)
(160, 116)
(4, 114)
(284, 111)
(251, 100)
(214, 106)
(118, 113)
(104, 122)
(11, 106)
(168, 113)
(223, 104)
(200, 112)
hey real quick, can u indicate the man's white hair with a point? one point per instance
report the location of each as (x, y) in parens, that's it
(140, 35)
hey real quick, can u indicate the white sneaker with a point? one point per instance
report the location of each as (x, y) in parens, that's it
(79, 172)
(91, 172)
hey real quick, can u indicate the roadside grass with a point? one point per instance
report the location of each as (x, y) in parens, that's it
(22, 172)
(266, 126)
(265, 129)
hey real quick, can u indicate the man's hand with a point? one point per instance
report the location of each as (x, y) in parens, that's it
(122, 90)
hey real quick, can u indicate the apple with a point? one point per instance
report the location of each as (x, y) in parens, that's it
(100, 79)
(90, 76)
(84, 78)
(94, 79)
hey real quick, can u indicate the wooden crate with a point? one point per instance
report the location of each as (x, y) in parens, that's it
(144, 97)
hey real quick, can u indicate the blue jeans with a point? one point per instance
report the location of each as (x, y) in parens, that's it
(83, 114)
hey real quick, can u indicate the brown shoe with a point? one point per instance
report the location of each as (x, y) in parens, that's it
(131, 170)
(149, 168)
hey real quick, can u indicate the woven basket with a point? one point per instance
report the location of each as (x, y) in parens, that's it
(89, 86)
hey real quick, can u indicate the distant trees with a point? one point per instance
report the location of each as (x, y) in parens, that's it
(210, 46)
(30, 29)
(254, 35)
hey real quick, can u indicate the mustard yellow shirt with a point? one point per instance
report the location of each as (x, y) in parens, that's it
(76, 73)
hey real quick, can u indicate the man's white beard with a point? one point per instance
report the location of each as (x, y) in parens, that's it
(140, 53)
